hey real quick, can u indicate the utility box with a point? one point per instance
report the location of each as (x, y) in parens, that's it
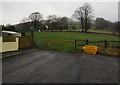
(90, 49)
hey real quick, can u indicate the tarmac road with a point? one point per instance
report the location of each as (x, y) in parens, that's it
(42, 66)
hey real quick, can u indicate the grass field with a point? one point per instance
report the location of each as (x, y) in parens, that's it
(41, 37)
(100, 31)
(92, 30)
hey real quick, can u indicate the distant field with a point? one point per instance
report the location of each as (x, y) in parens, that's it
(100, 31)
(41, 37)
(92, 30)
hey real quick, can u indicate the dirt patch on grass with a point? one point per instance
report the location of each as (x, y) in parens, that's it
(111, 51)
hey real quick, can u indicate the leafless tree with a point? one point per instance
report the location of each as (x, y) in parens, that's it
(84, 15)
(25, 20)
(57, 23)
(64, 23)
(52, 19)
(79, 15)
(35, 18)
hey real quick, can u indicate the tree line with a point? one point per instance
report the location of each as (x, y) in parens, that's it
(81, 18)
(114, 27)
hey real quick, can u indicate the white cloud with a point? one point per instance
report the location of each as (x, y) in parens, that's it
(13, 12)
(0, 13)
(60, 0)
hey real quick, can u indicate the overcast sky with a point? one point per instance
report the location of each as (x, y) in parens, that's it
(13, 12)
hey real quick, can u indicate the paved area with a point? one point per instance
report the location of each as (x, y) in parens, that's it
(18, 52)
(42, 66)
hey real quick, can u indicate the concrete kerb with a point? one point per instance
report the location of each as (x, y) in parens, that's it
(11, 55)
(16, 53)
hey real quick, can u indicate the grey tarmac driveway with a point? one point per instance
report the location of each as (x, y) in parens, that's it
(43, 66)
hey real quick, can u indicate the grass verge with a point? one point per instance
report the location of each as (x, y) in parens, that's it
(41, 37)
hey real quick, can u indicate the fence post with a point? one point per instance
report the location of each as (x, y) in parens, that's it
(75, 47)
(105, 43)
(97, 44)
(87, 42)
(47, 43)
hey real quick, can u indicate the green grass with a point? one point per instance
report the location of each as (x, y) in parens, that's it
(92, 30)
(41, 37)
(100, 31)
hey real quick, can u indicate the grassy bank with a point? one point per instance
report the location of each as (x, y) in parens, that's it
(41, 37)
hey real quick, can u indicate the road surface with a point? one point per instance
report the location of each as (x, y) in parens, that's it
(44, 66)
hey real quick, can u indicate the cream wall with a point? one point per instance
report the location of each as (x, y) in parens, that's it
(8, 46)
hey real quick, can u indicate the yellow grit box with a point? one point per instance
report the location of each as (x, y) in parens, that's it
(90, 49)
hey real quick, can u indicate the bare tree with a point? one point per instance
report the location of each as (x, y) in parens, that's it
(64, 23)
(52, 19)
(23, 24)
(79, 15)
(25, 20)
(84, 15)
(35, 18)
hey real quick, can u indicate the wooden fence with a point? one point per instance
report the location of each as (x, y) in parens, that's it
(25, 42)
(105, 43)
(47, 42)
(87, 42)
(9, 39)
